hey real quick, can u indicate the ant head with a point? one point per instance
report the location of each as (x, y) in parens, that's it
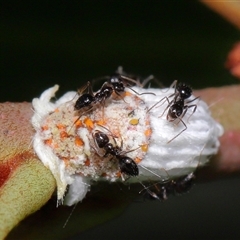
(117, 83)
(101, 139)
(184, 90)
(128, 166)
(84, 100)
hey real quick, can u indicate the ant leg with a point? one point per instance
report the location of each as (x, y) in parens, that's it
(97, 152)
(166, 99)
(131, 114)
(120, 96)
(155, 174)
(193, 100)
(129, 79)
(82, 89)
(113, 136)
(173, 85)
(146, 80)
(151, 77)
(103, 105)
(168, 106)
(125, 152)
(194, 109)
(79, 118)
(141, 93)
(90, 90)
(151, 193)
(179, 132)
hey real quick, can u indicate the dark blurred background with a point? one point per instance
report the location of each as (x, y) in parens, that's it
(71, 42)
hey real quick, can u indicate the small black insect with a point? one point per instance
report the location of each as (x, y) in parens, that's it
(118, 82)
(89, 99)
(126, 164)
(178, 106)
(161, 191)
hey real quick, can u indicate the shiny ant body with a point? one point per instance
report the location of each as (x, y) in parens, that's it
(116, 83)
(178, 106)
(162, 191)
(126, 164)
(89, 99)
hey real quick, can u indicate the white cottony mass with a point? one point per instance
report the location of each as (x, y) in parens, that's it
(125, 138)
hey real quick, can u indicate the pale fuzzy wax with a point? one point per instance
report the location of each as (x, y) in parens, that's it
(72, 156)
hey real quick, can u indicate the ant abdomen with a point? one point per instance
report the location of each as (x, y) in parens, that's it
(174, 112)
(84, 100)
(128, 166)
(101, 139)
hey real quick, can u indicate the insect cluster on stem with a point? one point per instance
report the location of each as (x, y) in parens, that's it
(178, 104)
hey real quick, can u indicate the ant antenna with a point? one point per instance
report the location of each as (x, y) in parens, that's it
(155, 174)
(166, 99)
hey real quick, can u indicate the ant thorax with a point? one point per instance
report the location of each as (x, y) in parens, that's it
(135, 137)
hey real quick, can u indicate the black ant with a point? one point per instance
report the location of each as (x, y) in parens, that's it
(89, 98)
(119, 82)
(162, 191)
(115, 84)
(126, 164)
(178, 106)
(178, 186)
